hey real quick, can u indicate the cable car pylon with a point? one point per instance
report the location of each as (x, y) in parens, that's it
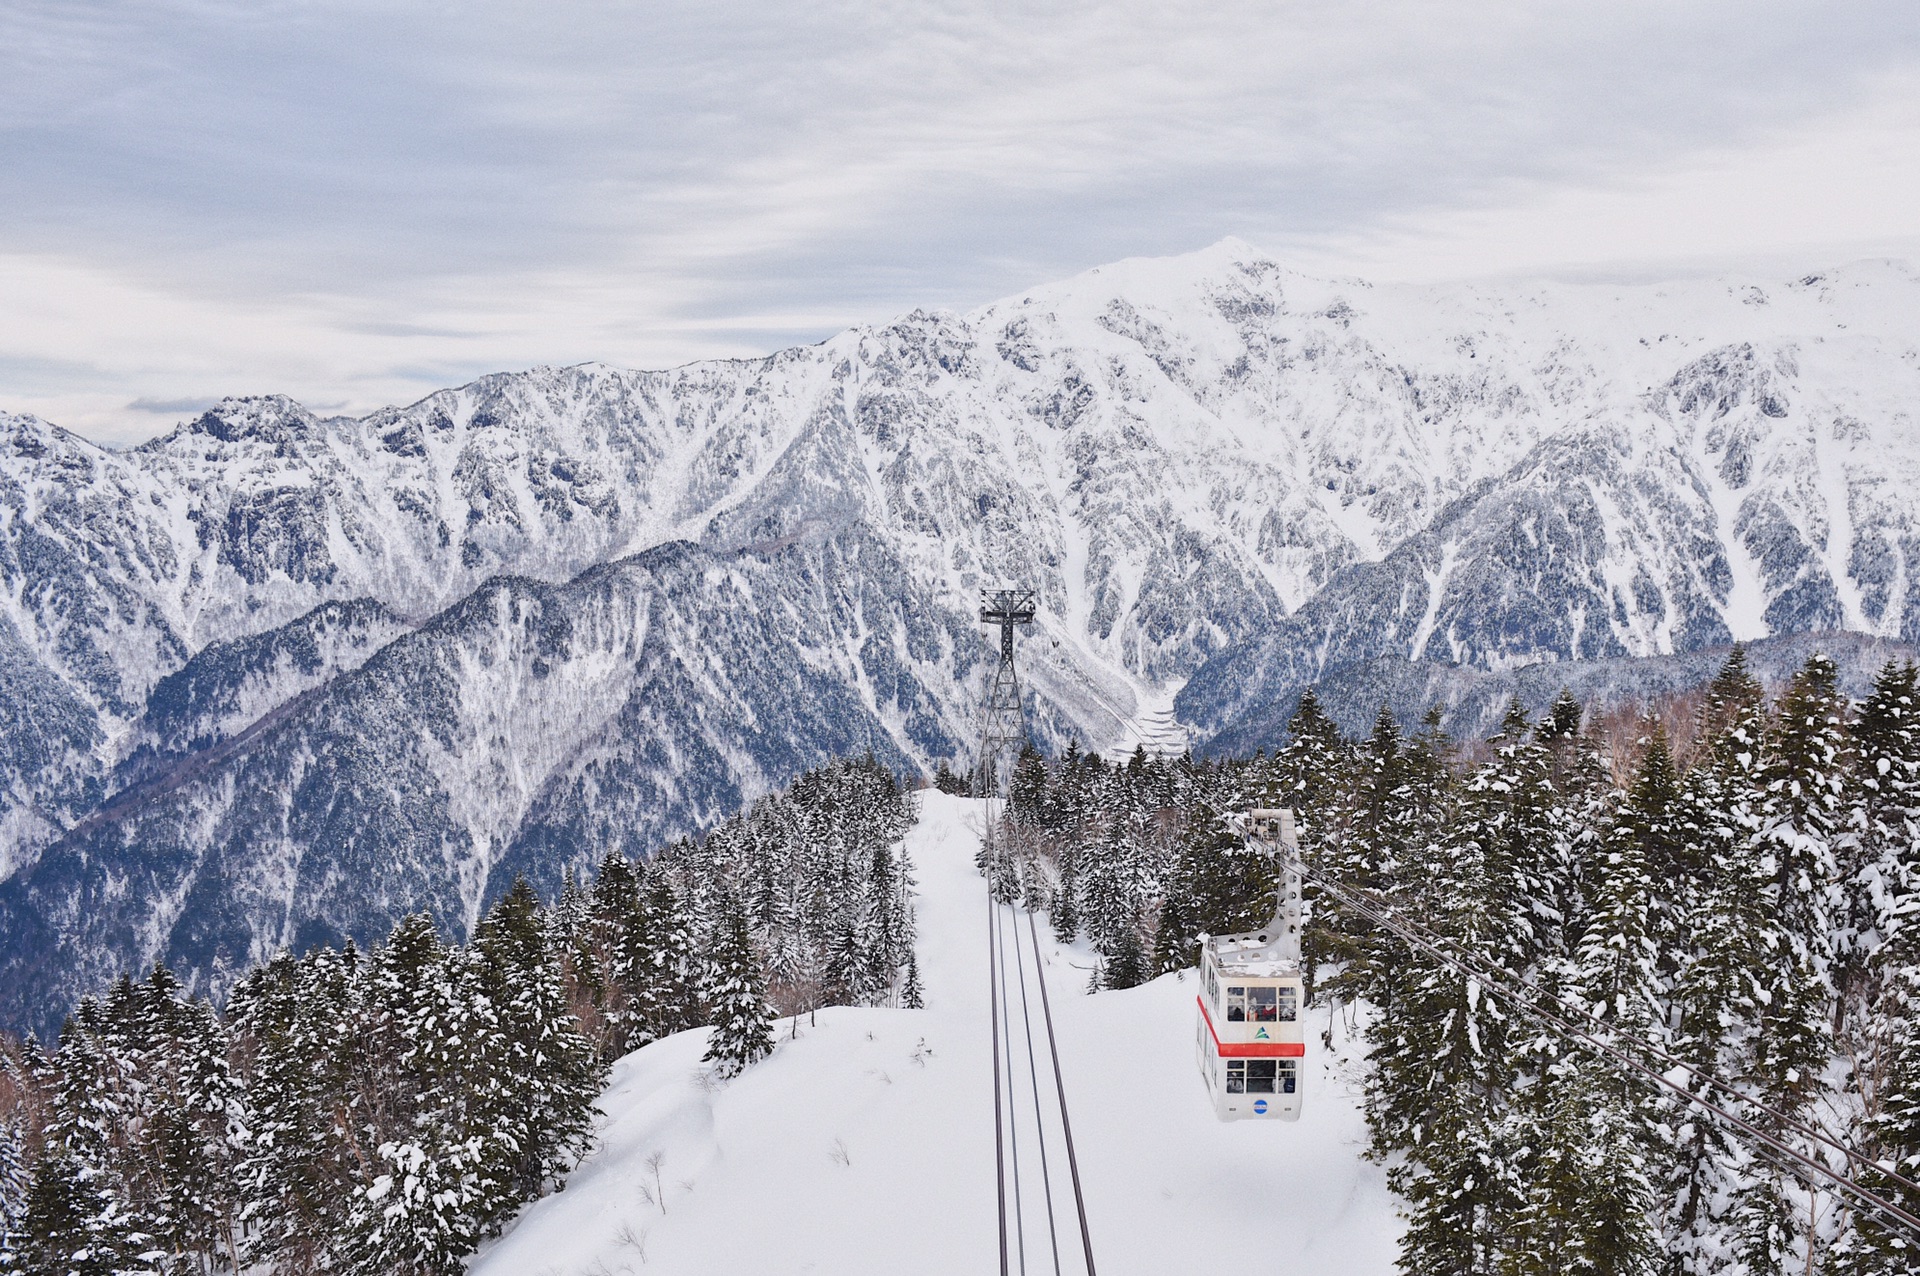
(1003, 727)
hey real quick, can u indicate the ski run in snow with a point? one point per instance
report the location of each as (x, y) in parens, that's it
(866, 1145)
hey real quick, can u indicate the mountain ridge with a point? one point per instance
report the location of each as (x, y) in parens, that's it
(1221, 475)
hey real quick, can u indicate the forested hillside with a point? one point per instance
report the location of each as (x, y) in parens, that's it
(277, 679)
(1731, 877)
(382, 1112)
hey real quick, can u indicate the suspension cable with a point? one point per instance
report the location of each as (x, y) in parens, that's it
(1579, 1012)
(1060, 1086)
(1033, 1074)
(1013, 1106)
(1413, 934)
(999, 1128)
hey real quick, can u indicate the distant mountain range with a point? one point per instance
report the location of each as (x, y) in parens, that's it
(273, 678)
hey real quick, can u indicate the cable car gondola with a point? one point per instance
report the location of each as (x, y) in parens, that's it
(1250, 1041)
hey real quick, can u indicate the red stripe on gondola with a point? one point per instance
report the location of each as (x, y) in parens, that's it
(1250, 1049)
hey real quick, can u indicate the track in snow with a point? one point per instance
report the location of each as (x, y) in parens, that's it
(865, 1146)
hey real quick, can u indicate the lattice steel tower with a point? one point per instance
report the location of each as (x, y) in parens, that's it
(1003, 724)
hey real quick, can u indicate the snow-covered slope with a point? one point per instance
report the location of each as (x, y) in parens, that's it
(1220, 475)
(866, 1146)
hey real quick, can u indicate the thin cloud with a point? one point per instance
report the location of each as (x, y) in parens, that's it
(198, 403)
(305, 196)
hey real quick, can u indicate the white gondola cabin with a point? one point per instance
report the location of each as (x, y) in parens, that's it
(1250, 1042)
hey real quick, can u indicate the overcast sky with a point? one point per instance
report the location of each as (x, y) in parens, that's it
(358, 203)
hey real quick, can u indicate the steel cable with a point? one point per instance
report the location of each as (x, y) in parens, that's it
(1060, 1087)
(1415, 935)
(1033, 1074)
(1013, 1108)
(999, 1127)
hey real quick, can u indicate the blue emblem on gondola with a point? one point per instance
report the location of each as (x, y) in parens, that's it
(1260, 1105)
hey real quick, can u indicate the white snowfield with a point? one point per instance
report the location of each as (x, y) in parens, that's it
(866, 1146)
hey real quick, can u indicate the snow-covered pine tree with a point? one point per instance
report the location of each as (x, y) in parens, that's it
(295, 1017)
(1027, 791)
(432, 1172)
(1884, 881)
(849, 964)
(1885, 931)
(195, 1125)
(1589, 1187)
(1375, 837)
(604, 959)
(78, 1217)
(668, 992)
(1311, 770)
(742, 1026)
(1064, 909)
(912, 995)
(1587, 1190)
(1874, 1246)
(1447, 1056)
(1790, 845)
(15, 1178)
(1802, 813)
(1751, 999)
(548, 1073)
(888, 919)
(1732, 696)
(72, 1226)
(1653, 817)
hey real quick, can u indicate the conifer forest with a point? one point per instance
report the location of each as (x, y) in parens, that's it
(1729, 877)
(383, 1111)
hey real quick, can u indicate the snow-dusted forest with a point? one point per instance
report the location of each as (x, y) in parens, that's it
(1730, 877)
(383, 1112)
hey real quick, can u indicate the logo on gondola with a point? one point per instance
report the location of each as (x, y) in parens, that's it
(1260, 1105)
(1261, 1035)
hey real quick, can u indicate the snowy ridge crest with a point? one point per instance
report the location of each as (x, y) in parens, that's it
(296, 675)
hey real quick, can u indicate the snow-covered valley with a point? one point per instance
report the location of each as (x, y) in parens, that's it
(866, 1144)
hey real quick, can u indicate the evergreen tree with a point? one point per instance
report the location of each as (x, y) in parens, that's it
(1884, 927)
(73, 1227)
(1587, 1192)
(667, 994)
(1027, 791)
(742, 1027)
(1065, 910)
(1126, 964)
(1883, 879)
(912, 996)
(540, 1112)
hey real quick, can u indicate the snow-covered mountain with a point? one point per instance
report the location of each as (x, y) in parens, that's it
(273, 677)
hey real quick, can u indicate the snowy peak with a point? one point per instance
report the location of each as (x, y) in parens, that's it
(1223, 477)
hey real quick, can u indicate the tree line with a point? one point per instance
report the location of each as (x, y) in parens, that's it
(1732, 877)
(382, 1112)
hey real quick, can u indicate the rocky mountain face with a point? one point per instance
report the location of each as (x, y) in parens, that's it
(274, 678)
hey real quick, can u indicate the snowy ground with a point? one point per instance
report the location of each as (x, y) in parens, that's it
(1154, 726)
(866, 1146)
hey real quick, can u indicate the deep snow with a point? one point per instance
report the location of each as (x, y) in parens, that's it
(866, 1145)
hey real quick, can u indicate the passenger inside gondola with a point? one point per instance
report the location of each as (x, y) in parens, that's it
(1263, 1004)
(1236, 1004)
(1255, 1076)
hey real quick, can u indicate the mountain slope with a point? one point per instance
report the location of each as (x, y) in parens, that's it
(867, 1144)
(239, 652)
